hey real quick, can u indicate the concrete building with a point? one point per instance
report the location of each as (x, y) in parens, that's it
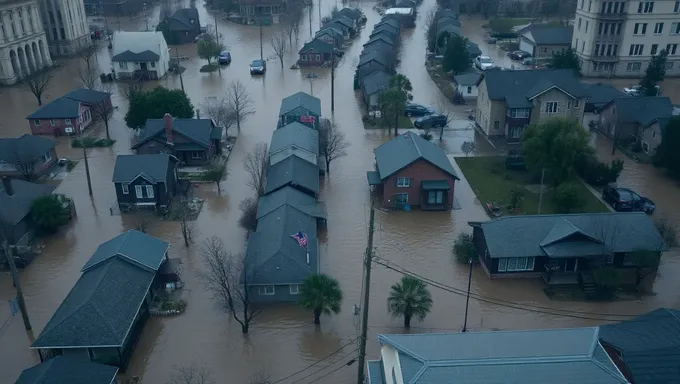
(23, 45)
(65, 25)
(618, 38)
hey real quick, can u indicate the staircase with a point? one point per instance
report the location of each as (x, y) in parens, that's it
(587, 283)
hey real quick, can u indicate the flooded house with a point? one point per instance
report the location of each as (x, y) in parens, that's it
(145, 181)
(71, 113)
(295, 172)
(316, 53)
(140, 55)
(300, 107)
(27, 157)
(69, 370)
(294, 139)
(16, 199)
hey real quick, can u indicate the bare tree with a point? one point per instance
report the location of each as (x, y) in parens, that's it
(468, 148)
(333, 144)
(86, 69)
(226, 276)
(255, 165)
(103, 110)
(220, 111)
(37, 83)
(191, 375)
(182, 212)
(23, 162)
(216, 172)
(132, 86)
(248, 219)
(279, 45)
(262, 376)
(291, 22)
(240, 102)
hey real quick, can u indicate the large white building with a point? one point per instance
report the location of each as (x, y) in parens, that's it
(618, 38)
(23, 46)
(65, 25)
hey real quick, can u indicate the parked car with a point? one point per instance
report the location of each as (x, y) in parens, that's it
(417, 110)
(258, 67)
(519, 55)
(224, 58)
(638, 90)
(483, 62)
(624, 199)
(431, 121)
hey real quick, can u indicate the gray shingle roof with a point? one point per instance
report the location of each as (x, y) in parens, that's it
(600, 94)
(544, 34)
(389, 21)
(293, 171)
(291, 197)
(375, 55)
(381, 37)
(154, 167)
(385, 28)
(344, 20)
(375, 82)
(295, 135)
(567, 356)
(317, 45)
(136, 56)
(16, 207)
(100, 308)
(642, 110)
(274, 256)
(350, 13)
(517, 87)
(68, 370)
(200, 131)
(88, 96)
(405, 149)
(24, 149)
(61, 108)
(540, 235)
(466, 79)
(181, 19)
(132, 246)
(301, 100)
(333, 32)
(649, 345)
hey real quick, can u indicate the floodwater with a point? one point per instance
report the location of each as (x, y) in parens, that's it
(283, 339)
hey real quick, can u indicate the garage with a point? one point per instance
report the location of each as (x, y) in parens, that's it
(526, 45)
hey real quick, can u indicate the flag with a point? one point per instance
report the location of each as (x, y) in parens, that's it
(301, 238)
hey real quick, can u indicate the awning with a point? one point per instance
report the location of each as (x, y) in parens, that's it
(429, 185)
(373, 178)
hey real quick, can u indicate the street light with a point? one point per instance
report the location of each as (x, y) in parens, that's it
(467, 300)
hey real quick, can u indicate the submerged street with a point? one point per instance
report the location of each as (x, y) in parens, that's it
(283, 339)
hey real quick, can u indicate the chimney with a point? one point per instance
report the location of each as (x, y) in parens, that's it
(7, 185)
(168, 129)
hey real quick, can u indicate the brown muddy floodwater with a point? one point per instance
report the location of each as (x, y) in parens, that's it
(283, 340)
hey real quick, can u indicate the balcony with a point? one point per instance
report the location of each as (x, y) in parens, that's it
(609, 38)
(611, 16)
(605, 59)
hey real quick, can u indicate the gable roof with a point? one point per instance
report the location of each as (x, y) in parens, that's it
(566, 356)
(382, 38)
(388, 21)
(385, 34)
(649, 345)
(293, 171)
(546, 34)
(14, 208)
(88, 96)
(405, 149)
(642, 110)
(344, 20)
(153, 168)
(295, 135)
(385, 28)
(68, 370)
(138, 248)
(333, 32)
(100, 308)
(374, 55)
(199, 131)
(318, 45)
(181, 19)
(600, 94)
(61, 108)
(291, 197)
(467, 79)
(24, 149)
(137, 46)
(351, 13)
(301, 100)
(570, 235)
(516, 88)
(375, 82)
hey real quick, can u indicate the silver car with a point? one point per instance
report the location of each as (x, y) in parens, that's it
(483, 62)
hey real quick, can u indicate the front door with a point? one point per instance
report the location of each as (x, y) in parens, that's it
(142, 66)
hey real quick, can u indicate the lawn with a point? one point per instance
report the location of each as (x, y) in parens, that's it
(491, 182)
(377, 123)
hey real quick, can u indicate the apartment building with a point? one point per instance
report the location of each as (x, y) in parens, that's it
(65, 25)
(618, 38)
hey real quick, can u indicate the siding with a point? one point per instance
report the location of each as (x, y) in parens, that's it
(419, 171)
(611, 127)
(651, 136)
(566, 106)
(281, 295)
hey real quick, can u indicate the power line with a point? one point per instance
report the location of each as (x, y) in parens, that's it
(317, 362)
(329, 365)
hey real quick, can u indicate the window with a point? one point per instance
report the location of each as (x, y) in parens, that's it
(634, 66)
(122, 65)
(519, 113)
(586, 26)
(46, 157)
(579, 23)
(149, 191)
(569, 105)
(577, 103)
(496, 125)
(196, 155)
(265, 290)
(435, 197)
(403, 182)
(583, 46)
(138, 192)
(646, 7)
(515, 264)
(36, 122)
(671, 48)
(645, 147)
(600, 27)
(303, 57)
(654, 134)
(636, 49)
(52, 122)
(676, 7)
(655, 47)
(551, 107)
(604, 7)
(618, 28)
(640, 29)
(616, 7)
(469, 90)
(675, 28)
(294, 289)
(125, 188)
(401, 198)
(318, 57)
(590, 3)
(153, 64)
(67, 121)
(658, 28)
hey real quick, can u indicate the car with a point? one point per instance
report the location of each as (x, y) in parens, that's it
(625, 200)
(519, 55)
(483, 62)
(258, 67)
(417, 110)
(224, 58)
(431, 121)
(638, 90)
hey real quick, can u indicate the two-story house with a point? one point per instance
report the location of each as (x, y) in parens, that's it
(28, 156)
(332, 36)
(316, 53)
(140, 55)
(145, 181)
(182, 27)
(71, 113)
(300, 107)
(542, 41)
(509, 101)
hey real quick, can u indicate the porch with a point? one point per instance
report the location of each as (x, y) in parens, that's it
(434, 195)
(561, 271)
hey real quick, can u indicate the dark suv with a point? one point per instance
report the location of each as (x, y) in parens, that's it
(625, 200)
(431, 121)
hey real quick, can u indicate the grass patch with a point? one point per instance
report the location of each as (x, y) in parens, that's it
(90, 142)
(209, 68)
(492, 183)
(404, 122)
(505, 24)
(442, 79)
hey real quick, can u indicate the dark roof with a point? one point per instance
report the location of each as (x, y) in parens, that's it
(333, 32)
(295, 135)
(571, 235)
(338, 24)
(385, 28)
(406, 149)
(68, 370)
(153, 168)
(301, 100)
(642, 110)
(181, 19)
(317, 45)
(293, 171)
(291, 197)
(466, 79)
(649, 345)
(24, 149)
(132, 246)
(385, 49)
(88, 96)
(600, 94)
(61, 108)
(375, 82)
(351, 13)
(16, 207)
(390, 22)
(545, 34)
(385, 34)
(517, 88)
(344, 20)
(146, 55)
(100, 308)
(382, 38)
(374, 55)
(199, 131)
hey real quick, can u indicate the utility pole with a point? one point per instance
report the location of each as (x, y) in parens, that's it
(540, 194)
(217, 39)
(87, 165)
(364, 310)
(333, 80)
(17, 285)
(146, 17)
(311, 6)
(319, 6)
(179, 69)
(467, 300)
(261, 54)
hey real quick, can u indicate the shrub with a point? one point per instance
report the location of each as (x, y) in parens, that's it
(464, 249)
(48, 213)
(90, 142)
(597, 173)
(667, 231)
(427, 136)
(248, 219)
(179, 305)
(567, 198)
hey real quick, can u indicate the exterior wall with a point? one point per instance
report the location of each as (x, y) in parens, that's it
(294, 116)
(313, 57)
(488, 112)
(39, 168)
(78, 353)
(419, 171)
(65, 26)
(162, 194)
(122, 8)
(612, 128)
(281, 294)
(391, 365)
(547, 51)
(281, 155)
(566, 104)
(327, 37)
(159, 145)
(46, 126)
(650, 139)
(468, 91)
(126, 70)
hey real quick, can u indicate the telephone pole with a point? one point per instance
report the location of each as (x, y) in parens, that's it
(179, 69)
(217, 40)
(87, 165)
(333, 80)
(311, 6)
(261, 54)
(17, 285)
(364, 309)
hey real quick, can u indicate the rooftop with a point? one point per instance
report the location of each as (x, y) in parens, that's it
(546, 34)
(14, 208)
(199, 131)
(295, 135)
(293, 171)
(301, 100)
(406, 149)
(137, 46)
(517, 88)
(643, 110)
(61, 108)
(153, 168)
(289, 196)
(132, 246)
(68, 370)
(25, 149)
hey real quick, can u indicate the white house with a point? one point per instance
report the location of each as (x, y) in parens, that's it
(144, 55)
(466, 84)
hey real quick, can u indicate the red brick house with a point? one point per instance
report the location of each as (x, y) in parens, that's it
(413, 172)
(315, 53)
(69, 114)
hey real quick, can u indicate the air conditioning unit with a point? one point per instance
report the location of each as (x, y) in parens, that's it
(68, 130)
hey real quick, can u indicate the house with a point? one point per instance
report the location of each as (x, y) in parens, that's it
(353, 14)
(645, 348)
(393, 22)
(509, 101)
(71, 113)
(406, 16)
(386, 36)
(103, 315)
(68, 370)
(563, 249)
(345, 27)
(316, 53)
(16, 198)
(266, 12)
(145, 180)
(28, 156)
(373, 60)
(294, 139)
(415, 172)
(140, 55)
(371, 86)
(381, 43)
(182, 27)
(293, 171)
(386, 29)
(566, 356)
(636, 119)
(193, 142)
(347, 24)
(599, 95)
(466, 84)
(117, 8)
(294, 198)
(301, 107)
(542, 41)
(332, 36)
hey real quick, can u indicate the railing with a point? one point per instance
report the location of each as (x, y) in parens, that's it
(611, 16)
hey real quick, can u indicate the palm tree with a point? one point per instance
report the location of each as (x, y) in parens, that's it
(409, 298)
(321, 293)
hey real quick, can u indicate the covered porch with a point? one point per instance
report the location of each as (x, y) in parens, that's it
(434, 195)
(561, 271)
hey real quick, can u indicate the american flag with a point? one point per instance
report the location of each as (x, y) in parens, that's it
(301, 238)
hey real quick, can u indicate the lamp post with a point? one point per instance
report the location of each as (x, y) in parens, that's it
(467, 300)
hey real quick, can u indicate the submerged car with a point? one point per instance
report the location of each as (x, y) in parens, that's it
(258, 67)
(224, 58)
(625, 200)
(431, 121)
(483, 62)
(417, 110)
(519, 55)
